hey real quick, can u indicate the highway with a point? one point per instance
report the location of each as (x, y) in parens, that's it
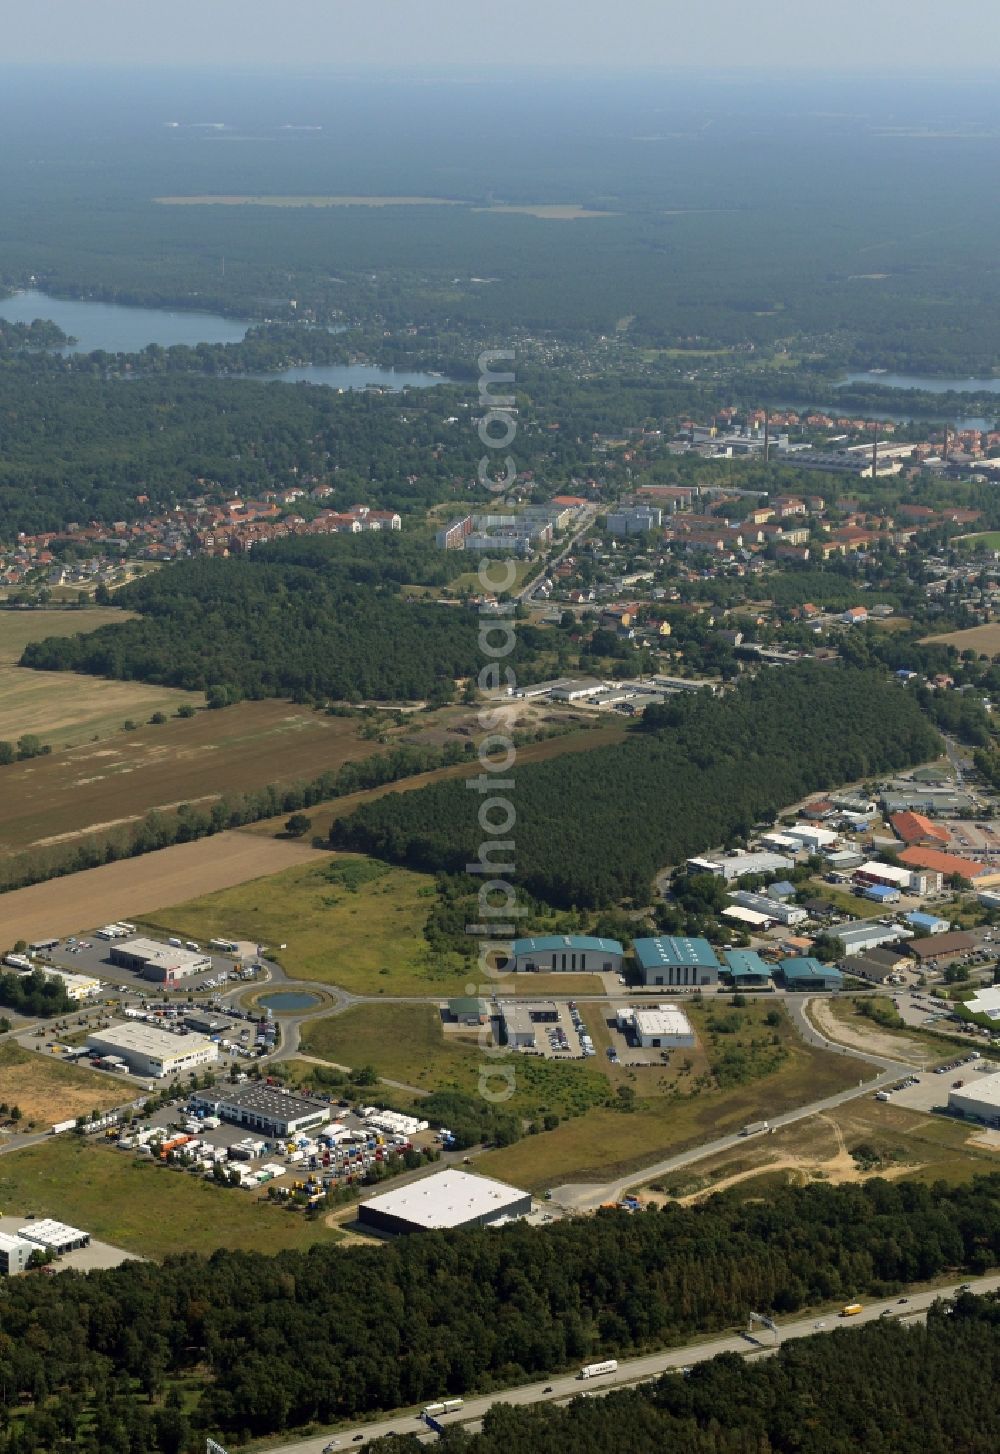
(635, 1370)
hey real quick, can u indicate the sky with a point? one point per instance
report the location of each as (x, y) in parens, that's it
(620, 34)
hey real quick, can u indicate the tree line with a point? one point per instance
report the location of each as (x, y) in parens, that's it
(701, 772)
(259, 1344)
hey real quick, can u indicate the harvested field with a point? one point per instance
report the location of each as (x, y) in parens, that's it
(99, 785)
(60, 707)
(143, 885)
(47, 1091)
(985, 639)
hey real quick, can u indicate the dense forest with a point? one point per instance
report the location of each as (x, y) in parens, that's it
(701, 772)
(262, 1344)
(883, 1389)
(287, 620)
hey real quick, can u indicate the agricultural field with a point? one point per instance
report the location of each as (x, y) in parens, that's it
(546, 211)
(137, 886)
(47, 1091)
(100, 785)
(980, 639)
(674, 1109)
(861, 1139)
(346, 920)
(143, 1208)
(60, 707)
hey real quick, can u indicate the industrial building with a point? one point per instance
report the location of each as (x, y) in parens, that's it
(163, 963)
(663, 1027)
(882, 894)
(927, 923)
(940, 866)
(856, 938)
(147, 1050)
(467, 1010)
(15, 1254)
(811, 837)
(770, 907)
(750, 919)
(942, 948)
(446, 1200)
(809, 974)
(735, 865)
(265, 1108)
(876, 965)
(578, 952)
(77, 986)
(884, 875)
(519, 1021)
(985, 1002)
(672, 961)
(746, 969)
(55, 1237)
(978, 1100)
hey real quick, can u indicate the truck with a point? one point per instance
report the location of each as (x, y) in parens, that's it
(851, 1310)
(755, 1128)
(594, 1370)
(17, 961)
(452, 1405)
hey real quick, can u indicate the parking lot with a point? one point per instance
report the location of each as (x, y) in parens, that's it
(930, 1091)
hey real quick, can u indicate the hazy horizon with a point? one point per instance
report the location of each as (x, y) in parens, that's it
(890, 36)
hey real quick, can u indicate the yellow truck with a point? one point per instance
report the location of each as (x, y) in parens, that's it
(851, 1310)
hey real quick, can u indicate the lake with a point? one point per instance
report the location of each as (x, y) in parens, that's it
(921, 381)
(120, 328)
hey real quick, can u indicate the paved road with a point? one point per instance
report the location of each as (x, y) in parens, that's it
(635, 1370)
(527, 592)
(586, 1196)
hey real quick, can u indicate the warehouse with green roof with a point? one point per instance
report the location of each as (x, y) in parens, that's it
(807, 973)
(678, 962)
(580, 952)
(746, 969)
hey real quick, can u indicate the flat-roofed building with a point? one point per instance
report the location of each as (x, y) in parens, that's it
(772, 908)
(977, 1100)
(77, 986)
(162, 963)
(664, 1026)
(446, 1200)
(268, 1109)
(15, 1254)
(571, 952)
(520, 1021)
(56, 1237)
(673, 961)
(856, 938)
(147, 1050)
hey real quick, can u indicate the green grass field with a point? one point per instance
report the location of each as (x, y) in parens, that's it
(147, 1209)
(409, 1044)
(369, 940)
(607, 1143)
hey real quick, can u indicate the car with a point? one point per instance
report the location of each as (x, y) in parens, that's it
(903, 1300)
(328, 1448)
(547, 1388)
(357, 1438)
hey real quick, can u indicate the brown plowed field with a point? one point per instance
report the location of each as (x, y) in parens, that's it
(142, 885)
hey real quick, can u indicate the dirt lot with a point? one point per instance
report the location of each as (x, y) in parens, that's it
(878, 1042)
(141, 885)
(102, 784)
(47, 1091)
